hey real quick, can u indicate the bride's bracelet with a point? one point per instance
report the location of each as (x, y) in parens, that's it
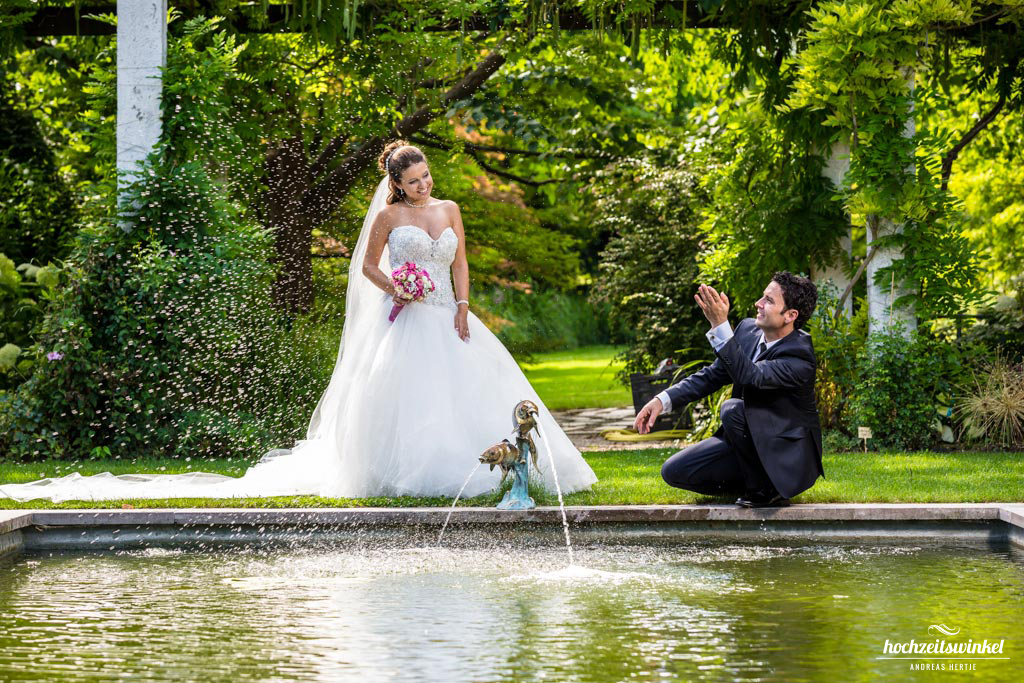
(462, 301)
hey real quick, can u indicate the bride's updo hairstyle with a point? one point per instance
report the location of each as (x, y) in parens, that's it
(393, 161)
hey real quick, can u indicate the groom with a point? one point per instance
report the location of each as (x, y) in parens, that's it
(768, 448)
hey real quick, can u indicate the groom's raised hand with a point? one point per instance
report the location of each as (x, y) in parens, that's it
(714, 304)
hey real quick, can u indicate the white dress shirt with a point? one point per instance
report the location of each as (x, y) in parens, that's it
(718, 336)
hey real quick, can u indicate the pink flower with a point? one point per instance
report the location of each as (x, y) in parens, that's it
(411, 282)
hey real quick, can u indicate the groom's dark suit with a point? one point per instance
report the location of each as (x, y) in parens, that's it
(770, 422)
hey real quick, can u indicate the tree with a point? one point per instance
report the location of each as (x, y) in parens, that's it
(858, 68)
(648, 269)
(555, 113)
(37, 213)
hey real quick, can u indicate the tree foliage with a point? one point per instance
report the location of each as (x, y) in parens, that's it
(650, 264)
(859, 66)
(989, 181)
(37, 212)
(667, 155)
(772, 209)
(902, 381)
(157, 340)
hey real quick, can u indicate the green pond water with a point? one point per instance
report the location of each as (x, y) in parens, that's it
(693, 611)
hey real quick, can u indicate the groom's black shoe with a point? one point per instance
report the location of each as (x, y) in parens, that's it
(763, 499)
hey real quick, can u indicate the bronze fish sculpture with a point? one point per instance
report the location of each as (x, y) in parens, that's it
(504, 455)
(524, 416)
(524, 421)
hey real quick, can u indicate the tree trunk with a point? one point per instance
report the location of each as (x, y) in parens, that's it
(288, 179)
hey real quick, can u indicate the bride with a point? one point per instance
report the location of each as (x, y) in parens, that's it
(411, 404)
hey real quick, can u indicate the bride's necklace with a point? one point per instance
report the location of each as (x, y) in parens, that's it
(415, 206)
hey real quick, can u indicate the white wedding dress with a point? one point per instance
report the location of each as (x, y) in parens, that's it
(409, 409)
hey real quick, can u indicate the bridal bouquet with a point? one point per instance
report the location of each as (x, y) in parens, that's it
(412, 283)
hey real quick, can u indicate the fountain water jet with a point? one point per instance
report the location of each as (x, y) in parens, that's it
(516, 459)
(561, 502)
(455, 502)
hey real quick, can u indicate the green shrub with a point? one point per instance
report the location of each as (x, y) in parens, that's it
(163, 340)
(706, 413)
(901, 379)
(37, 212)
(37, 217)
(164, 331)
(23, 292)
(838, 341)
(1001, 326)
(838, 441)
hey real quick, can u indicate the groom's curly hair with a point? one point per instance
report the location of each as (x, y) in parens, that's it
(798, 293)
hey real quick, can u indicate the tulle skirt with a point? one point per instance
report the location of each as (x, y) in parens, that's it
(410, 415)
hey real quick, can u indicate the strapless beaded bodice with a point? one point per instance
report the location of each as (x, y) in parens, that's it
(410, 243)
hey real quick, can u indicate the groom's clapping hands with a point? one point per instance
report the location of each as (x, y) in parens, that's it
(714, 304)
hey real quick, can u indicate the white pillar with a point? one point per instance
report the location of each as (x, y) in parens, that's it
(881, 296)
(835, 170)
(141, 54)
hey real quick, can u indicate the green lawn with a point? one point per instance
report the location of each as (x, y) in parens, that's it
(627, 478)
(582, 378)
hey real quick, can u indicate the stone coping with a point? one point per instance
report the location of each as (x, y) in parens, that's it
(1009, 513)
(128, 528)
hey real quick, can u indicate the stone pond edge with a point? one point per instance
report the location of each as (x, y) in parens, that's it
(21, 529)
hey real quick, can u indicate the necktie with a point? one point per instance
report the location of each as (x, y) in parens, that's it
(761, 348)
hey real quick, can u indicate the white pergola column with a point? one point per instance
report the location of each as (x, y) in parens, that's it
(881, 310)
(141, 54)
(881, 296)
(835, 170)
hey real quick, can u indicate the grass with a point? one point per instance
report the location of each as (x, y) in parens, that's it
(581, 378)
(624, 478)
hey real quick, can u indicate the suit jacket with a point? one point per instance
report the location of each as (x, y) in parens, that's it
(778, 399)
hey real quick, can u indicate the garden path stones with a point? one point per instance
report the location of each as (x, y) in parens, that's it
(584, 427)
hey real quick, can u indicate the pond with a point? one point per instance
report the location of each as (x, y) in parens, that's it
(372, 610)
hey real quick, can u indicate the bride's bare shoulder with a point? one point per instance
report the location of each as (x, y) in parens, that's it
(385, 218)
(389, 210)
(450, 208)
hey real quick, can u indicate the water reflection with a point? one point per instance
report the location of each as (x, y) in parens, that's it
(770, 612)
